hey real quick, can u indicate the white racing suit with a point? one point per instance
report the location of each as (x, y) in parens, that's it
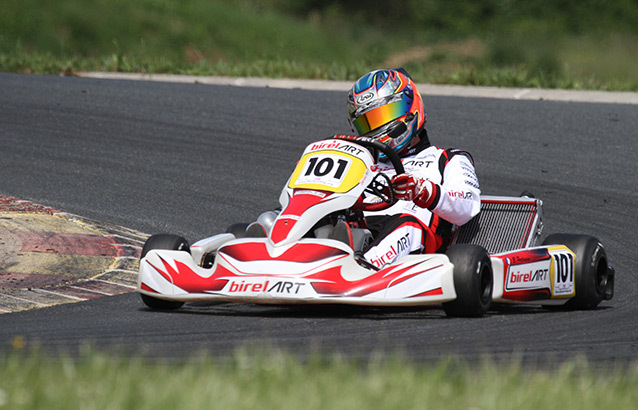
(406, 228)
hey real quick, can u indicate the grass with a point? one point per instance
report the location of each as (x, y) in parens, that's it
(242, 38)
(191, 36)
(277, 380)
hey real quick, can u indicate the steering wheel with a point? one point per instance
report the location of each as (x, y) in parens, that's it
(380, 185)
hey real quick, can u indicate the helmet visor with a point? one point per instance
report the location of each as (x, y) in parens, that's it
(381, 115)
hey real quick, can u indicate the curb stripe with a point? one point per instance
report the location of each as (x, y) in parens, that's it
(26, 300)
(69, 244)
(61, 294)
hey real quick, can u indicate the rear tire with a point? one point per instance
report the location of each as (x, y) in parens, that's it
(168, 242)
(473, 281)
(591, 270)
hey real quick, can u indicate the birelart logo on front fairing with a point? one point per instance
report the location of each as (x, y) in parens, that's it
(260, 286)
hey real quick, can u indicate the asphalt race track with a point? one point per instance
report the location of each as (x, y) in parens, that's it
(192, 159)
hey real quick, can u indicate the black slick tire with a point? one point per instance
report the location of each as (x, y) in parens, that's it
(591, 270)
(169, 242)
(473, 281)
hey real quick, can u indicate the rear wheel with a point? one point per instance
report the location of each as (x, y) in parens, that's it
(593, 276)
(473, 281)
(169, 242)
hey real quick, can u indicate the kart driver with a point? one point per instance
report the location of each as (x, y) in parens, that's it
(439, 188)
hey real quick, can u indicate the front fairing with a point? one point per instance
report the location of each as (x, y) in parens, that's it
(310, 270)
(330, 176)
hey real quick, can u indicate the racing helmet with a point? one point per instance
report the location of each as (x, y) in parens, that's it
(386, 105)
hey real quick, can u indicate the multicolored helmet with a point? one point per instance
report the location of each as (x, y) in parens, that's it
(386, 105)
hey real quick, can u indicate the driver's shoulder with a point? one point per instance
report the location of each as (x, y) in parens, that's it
(435, 157)
(430, 152)
(444, 154)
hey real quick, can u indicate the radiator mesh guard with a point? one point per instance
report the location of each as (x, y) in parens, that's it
(504, 224)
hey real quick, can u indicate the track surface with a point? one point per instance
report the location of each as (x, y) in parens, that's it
(192, 159)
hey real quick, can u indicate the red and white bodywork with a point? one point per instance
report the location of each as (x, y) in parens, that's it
(324, 271)
(311, 270)
(285, 267)
(534, 275)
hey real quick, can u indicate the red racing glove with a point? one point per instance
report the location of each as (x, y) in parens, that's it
(407, 187)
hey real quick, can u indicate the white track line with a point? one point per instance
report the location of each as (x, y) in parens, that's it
(610, 97)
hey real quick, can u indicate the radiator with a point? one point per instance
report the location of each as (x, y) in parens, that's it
(504, 224)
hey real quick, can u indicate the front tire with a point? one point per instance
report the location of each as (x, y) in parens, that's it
(473, 281)
(593, 275)
(168, 242)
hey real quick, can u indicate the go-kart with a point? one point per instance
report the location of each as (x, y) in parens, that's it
(293, 256)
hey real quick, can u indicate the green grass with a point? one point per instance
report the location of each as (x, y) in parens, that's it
(279, 381)
(252, 38)
(190, 36)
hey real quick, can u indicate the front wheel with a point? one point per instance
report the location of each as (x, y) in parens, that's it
(473, 281)
(594, 278)
(168, 242)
